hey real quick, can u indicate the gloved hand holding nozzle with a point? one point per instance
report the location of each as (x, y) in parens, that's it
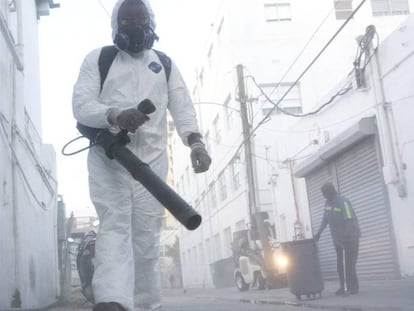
(130, 119)
(200, 158)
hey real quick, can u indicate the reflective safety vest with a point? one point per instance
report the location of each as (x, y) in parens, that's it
(346, 210)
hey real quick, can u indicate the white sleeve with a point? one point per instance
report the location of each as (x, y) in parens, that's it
(181, 106)
(86, 105)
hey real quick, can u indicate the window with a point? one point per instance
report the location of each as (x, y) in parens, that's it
(276, 12)
(290, 103)
(390, 7)
(343, 8)
(235, 172)
(222, 185)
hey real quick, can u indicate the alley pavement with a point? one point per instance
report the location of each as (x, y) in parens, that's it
(379, 295)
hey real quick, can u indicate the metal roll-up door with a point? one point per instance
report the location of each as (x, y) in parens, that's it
(360, 179)
(356, 172)
(327, 255)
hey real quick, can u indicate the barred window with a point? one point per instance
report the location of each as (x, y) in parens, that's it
(276, 12)
(290, 103)
(343, 8)
(390, 7)
(222, 185)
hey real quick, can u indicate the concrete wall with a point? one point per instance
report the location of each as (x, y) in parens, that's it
(28, 172)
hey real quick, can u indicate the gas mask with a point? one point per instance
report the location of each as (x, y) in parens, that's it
(134, 28)
(135, 38)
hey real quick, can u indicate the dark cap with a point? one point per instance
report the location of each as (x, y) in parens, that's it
(328, 190)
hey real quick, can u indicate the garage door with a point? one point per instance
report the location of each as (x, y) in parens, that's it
(357, 175)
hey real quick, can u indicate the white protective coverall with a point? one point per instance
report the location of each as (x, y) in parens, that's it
(127, 246)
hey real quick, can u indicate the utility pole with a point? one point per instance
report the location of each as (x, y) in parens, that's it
(254, 209)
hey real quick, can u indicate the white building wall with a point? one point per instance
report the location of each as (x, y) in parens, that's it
(397, 63)
(28, 169)
(266, 51)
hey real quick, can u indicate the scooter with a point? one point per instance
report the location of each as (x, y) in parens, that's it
(85, 264)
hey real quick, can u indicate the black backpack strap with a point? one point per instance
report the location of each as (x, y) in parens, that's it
(106, 58)
(166, 63)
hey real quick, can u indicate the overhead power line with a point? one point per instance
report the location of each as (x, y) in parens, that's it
(303, 49)
(103, 7)
(265, 118)
(306, 69)
(300, 54)
(341, 92)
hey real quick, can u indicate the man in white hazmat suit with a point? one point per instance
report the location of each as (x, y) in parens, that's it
(127, 247)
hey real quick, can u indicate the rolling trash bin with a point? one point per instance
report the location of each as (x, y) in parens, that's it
(303, 272)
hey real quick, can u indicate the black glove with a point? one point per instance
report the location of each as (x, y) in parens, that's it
(199, 158)
(129, 119)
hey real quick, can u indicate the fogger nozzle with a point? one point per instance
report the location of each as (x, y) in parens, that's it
(114, 146)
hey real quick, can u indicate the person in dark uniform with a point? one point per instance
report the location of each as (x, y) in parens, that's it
(343, 223)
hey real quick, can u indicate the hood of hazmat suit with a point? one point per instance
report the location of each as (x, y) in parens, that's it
(127, 246)
(133, 26)
(115, 11)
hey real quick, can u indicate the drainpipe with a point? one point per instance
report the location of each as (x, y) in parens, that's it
(393, 169)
